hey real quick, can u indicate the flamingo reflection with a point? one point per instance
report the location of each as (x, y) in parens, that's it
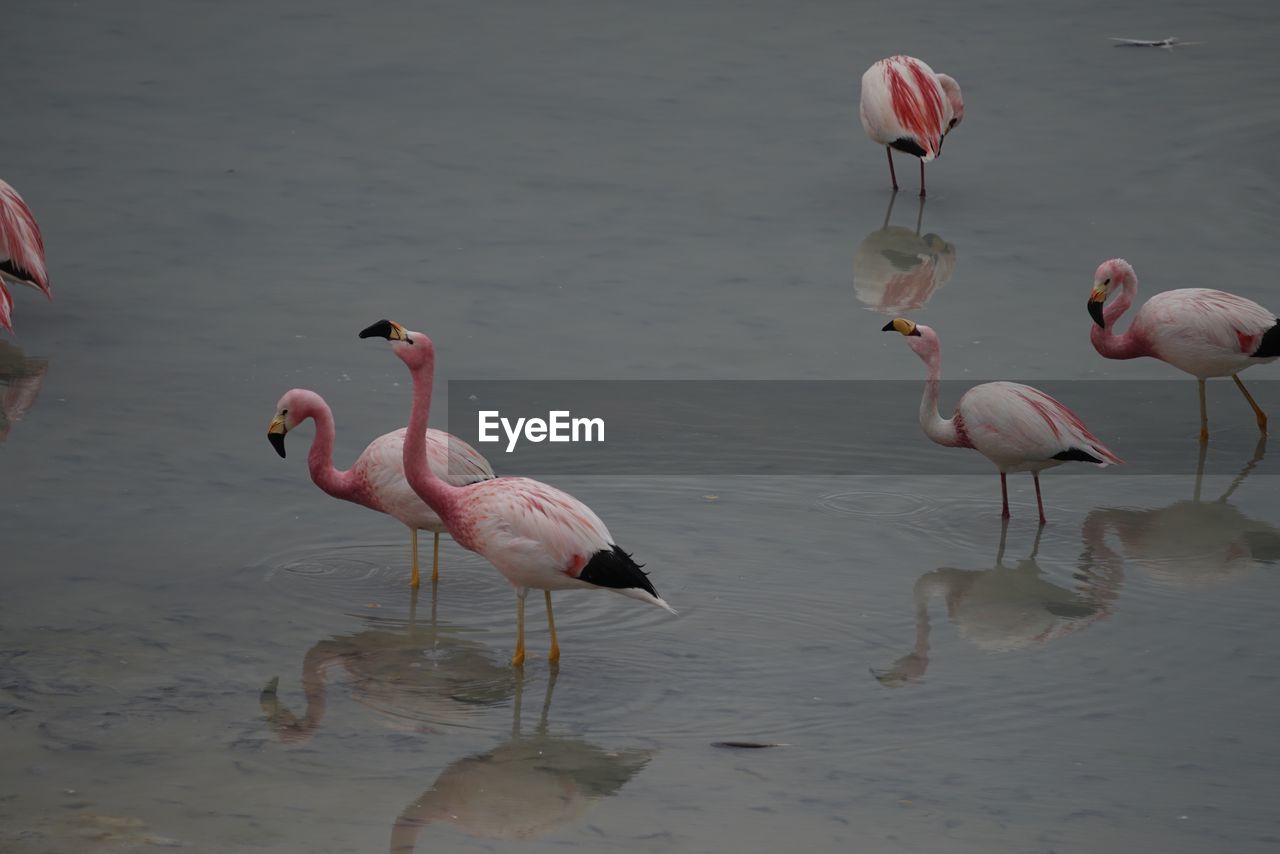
(895, 270)
(521, 789)
(1189, 543)
(1007, 608)
(20, 380)
(402, 671)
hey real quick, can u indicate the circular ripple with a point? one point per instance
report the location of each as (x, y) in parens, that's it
(874, 504)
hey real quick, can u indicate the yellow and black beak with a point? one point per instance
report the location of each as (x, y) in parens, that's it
(1096, 300)
(275, 434)
(387, 329)
(902, 325)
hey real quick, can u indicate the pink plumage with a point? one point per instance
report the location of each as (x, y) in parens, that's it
(376, 479)
(907, 106)
(21, 250)
(1203, 332)
(1017, 427)
(537, 536)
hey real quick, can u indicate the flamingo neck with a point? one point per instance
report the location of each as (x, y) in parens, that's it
(440, 496)
(1129, 345)
(338, 483)
(939, 429)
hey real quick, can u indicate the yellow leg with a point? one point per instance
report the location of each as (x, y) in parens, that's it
(1257, 410)
(554, 655)
(517, 660)
(435, 561)
(1204, 415)
(414, 581)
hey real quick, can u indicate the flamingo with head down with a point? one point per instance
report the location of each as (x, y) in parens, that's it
(907, 106)
(1204, 332)
(536, 535)
(21, 251)
(376, 479)
(1017, 427)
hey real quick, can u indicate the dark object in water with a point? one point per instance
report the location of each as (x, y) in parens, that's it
(746, 745)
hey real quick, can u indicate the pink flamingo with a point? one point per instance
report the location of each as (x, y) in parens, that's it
(907, 106)
(536, 535)
(1017, 427)
(376, 480)
(21, 251)
(1203, 332)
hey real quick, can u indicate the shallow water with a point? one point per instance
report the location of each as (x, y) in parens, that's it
(199, 649)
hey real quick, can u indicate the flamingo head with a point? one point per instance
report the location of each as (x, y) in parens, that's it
(1110, 275)
(412, 348)
(296, 406)
(951, 89)
(922, 340)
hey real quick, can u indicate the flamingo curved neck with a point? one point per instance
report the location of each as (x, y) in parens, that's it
(1129, 345)
(439, 495)
(939, 429)
(334, 481)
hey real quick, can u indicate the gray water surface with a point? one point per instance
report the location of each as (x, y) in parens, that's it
(199, 649)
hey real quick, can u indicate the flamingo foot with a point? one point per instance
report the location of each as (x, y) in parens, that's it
(517, 660)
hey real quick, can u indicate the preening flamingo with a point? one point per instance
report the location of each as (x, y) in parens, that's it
(21, 251)
(1017, 427)
(376, 479)
(907, 106)
(536, 535)
(1203, 332)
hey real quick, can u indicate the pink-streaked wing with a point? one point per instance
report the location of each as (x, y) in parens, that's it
(6, 308)
(518, 515)
(917, 101)
(1011, 422)
(21, 244)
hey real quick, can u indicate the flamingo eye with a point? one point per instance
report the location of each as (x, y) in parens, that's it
(1106, 281)
(284, 412)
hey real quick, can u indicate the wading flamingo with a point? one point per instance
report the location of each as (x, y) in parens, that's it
(21, 251)
(536, 535)
(1204, 332)
(376, 479)
(907, 106)
(1017, 427)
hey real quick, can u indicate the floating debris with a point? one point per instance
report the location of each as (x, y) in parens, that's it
(747, 745)
(1168, 43)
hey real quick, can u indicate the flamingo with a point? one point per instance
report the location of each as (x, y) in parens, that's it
(376, 480)
(534, 534)
(1204, 332)
(907, 106)
(1017, 427)
(21, 251)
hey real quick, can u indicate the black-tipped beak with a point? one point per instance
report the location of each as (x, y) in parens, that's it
(900, 325)
(387, 329)
(275, 434)
(1095, 311)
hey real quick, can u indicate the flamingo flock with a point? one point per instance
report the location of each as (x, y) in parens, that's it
(541, 538)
